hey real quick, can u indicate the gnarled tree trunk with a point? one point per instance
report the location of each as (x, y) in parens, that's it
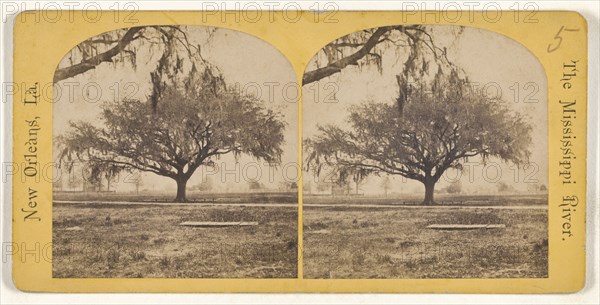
(181, 186)
(429, 183)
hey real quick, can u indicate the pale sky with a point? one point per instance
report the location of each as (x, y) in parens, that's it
(487, 58)
(254, 65)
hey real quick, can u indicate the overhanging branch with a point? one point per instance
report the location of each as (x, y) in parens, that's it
(91, 63)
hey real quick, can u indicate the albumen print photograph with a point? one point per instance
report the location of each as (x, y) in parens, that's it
(425, 155)
(176, 151)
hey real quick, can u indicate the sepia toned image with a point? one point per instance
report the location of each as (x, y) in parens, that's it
(171, 145)
(425, 151)
(376, 150)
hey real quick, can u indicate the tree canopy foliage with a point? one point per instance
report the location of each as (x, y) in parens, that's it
(185, 125)
(434, 124)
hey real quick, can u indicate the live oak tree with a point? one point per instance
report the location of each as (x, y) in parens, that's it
(433, 126)
(192, 124)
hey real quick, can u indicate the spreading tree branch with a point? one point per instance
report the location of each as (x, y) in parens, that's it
(91, 63)
(337, 66)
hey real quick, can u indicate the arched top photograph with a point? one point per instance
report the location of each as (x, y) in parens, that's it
(437, 132)
(175, 140)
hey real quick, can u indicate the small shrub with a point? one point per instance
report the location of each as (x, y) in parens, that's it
(164, 262)
(61, 251)
(95, 257)
(160, 241)
(359, 258)
(384, 259)
(292, 244)
(113, 256)
(137, 255)
(541, 246)
(120, 221)
(407, 243)
(410, 264)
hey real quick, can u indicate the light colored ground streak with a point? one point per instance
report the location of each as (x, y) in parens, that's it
(465, 227)
(294, 205)
(218, 224)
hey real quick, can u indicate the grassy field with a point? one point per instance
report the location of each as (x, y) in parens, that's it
(92, 240)
(356, 242)
(192, 196)
(441, 199)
